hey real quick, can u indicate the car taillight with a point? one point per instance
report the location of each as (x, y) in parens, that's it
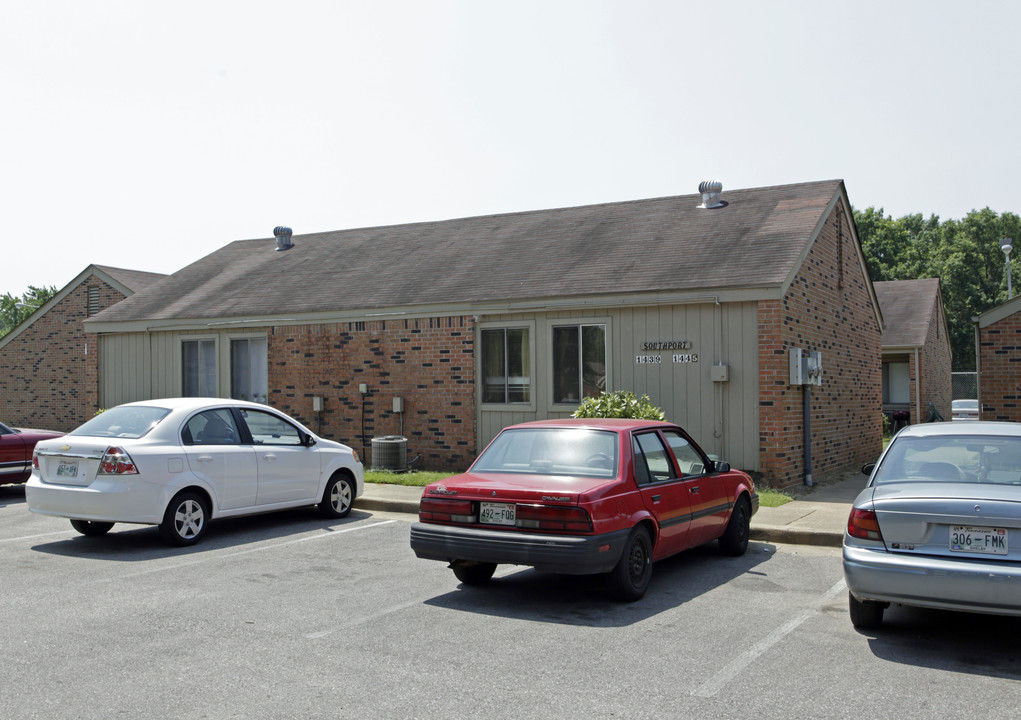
(863, 524)
(551, 517)
(35, 459)
(116, 461)
(436, 510)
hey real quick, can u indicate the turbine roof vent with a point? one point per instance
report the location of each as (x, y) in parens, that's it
(283, 236)
(711, 190)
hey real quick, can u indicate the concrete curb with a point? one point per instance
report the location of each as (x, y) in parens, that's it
(800, 522)
(795, 536)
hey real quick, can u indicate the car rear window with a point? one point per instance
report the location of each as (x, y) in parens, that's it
(551, 451)
(123, 422)
(958, 458)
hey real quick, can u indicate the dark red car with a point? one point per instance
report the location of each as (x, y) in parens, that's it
(16, 446)
(584, 496)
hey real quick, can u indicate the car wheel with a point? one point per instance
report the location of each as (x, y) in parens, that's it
(475, 573)
(629, 580)
(865, 614)
(91, 528)
(734, 540)
(184, 522)
(338, 497)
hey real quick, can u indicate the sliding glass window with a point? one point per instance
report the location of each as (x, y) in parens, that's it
(506, 366)
(198, 363)
(579, 362)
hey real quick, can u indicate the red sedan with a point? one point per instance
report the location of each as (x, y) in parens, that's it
(16, 446)
(584, 496)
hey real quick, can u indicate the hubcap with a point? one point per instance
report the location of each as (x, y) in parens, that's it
(189, 518)
(341, 496)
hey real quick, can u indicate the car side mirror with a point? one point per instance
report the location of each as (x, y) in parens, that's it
(308, 440)
(867, 468)
(721, 467)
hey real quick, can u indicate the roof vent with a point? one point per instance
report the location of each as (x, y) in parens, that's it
(711, 190)
(283, 235)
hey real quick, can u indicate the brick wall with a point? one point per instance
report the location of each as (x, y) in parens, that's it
(426, 361)
(1000, 367)
(48, 373)
(828, 308)
(935, 379)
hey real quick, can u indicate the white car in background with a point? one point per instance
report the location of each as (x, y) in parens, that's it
(964, 410)
(178, 463)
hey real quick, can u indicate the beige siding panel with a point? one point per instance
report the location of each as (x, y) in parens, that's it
(723, 417)
(124, 362)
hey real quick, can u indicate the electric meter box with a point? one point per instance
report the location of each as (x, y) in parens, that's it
(806, 367)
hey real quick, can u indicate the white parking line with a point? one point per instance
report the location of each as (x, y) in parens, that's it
(718, 681)
(33, 537)
(363, 620)
(260, 548)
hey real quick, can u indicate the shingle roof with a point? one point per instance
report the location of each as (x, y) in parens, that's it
(663, 244)
(907, 307)
(133, 279)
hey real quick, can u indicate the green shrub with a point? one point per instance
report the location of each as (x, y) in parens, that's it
(619, 404)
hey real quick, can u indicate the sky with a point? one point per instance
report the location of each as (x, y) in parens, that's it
(145, 135)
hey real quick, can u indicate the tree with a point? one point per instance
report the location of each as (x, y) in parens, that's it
(964, 254)
(11, 315)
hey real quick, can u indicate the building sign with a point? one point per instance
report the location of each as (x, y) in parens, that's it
(666, 345)
(651, 346)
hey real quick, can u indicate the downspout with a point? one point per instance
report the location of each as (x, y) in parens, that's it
(807, 405)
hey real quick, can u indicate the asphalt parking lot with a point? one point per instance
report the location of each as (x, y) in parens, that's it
(293, 616)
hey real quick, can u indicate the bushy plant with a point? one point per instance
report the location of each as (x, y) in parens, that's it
(619, 404)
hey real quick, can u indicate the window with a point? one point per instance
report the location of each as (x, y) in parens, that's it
(126, 421)
(249, 376)
(211, 427)
(198, 363)
(506, 366)
(268, 429)
(652, 461)
(687, 457)
(579, 362)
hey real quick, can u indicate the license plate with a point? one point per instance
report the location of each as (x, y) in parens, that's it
(497, 513)
(980, 540)
(67, 469)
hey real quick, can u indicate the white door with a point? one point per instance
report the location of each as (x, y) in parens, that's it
(211, 442)
(288, 470)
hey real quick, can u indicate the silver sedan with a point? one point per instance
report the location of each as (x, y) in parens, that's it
(939, 523)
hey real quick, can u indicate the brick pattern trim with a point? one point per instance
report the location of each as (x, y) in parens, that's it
(49, 373)
(429, 362)
(1000, 368)
(827, 308)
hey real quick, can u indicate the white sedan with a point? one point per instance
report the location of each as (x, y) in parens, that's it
(178, 463)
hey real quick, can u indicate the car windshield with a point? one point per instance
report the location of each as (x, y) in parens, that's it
(551, 451)
(958, 458)
(131, 421)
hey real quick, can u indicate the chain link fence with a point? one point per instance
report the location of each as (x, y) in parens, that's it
(964, 385)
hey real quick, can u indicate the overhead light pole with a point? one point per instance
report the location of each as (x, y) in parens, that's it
(25, 306)
(1007, 245)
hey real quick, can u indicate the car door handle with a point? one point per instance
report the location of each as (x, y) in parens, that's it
(205, 458)
(269, 456)
(694, 490)
(656, 498)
